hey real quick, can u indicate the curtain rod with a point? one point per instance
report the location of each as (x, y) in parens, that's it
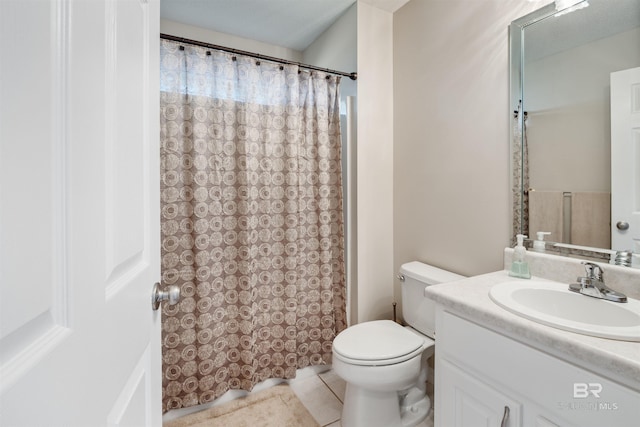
(352, 76)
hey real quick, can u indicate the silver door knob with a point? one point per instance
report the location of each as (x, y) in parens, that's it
(622, 225)
(172, 295)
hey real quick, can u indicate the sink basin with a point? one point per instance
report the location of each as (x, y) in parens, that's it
(552, 304)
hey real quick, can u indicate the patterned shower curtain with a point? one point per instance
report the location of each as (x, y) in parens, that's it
(520, 179)
(252, 228)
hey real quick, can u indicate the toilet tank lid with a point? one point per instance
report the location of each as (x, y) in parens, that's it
(428, 274)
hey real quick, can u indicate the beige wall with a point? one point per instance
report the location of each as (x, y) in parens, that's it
(222, 39)
(336, 48)
(375, 270)
(451, 133)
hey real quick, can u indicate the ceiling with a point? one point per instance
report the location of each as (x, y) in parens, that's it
(293, 24)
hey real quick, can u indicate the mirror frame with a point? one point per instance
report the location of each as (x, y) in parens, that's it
(516, 76)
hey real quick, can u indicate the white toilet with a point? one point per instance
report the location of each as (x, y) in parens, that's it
(385, 364)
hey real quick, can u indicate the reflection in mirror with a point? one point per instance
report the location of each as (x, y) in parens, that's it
(575, 131)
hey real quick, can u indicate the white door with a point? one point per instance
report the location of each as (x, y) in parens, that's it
(625, 160)
(79, 213)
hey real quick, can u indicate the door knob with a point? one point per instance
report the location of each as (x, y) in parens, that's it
(622, 225)
(172, 295)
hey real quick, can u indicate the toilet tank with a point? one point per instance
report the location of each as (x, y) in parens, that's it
(418, 311)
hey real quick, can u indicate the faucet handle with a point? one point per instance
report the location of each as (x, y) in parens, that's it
(593, 271)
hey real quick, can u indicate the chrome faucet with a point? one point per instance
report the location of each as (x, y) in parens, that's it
(593, 285)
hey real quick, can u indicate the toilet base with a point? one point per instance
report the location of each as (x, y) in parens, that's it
(414, 414)
(368, 408)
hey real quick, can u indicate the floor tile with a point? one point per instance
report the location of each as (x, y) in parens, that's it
(335, 383)
(331, 382)
(323, 393)
(318, 399)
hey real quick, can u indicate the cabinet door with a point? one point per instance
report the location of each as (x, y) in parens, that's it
(468, 402)
(550, 391)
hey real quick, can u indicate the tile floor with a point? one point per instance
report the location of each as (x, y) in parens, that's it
(323, 393)
(318, 388)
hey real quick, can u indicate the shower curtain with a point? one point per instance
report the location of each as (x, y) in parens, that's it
(520, 179)
(252, 228)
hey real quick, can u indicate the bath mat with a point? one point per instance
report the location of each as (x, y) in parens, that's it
(277, 406)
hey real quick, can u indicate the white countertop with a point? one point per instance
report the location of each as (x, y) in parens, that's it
(618, 360)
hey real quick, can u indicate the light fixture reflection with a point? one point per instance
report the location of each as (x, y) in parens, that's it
(566, 6)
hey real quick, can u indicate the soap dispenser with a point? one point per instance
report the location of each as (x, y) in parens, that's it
(538, 245)
(519, 266)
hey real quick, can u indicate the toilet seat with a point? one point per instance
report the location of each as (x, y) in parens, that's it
(377, 343)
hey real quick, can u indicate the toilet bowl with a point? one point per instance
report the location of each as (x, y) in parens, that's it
(385, 364)
(381, 362)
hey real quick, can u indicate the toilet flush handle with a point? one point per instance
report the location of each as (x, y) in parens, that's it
(400, 277)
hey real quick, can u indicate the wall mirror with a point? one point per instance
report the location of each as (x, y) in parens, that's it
(575, 83)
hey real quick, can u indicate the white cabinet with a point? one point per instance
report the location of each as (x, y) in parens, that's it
(468, 401)
(479, 372)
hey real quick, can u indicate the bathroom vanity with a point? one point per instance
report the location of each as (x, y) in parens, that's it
(495, 368)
